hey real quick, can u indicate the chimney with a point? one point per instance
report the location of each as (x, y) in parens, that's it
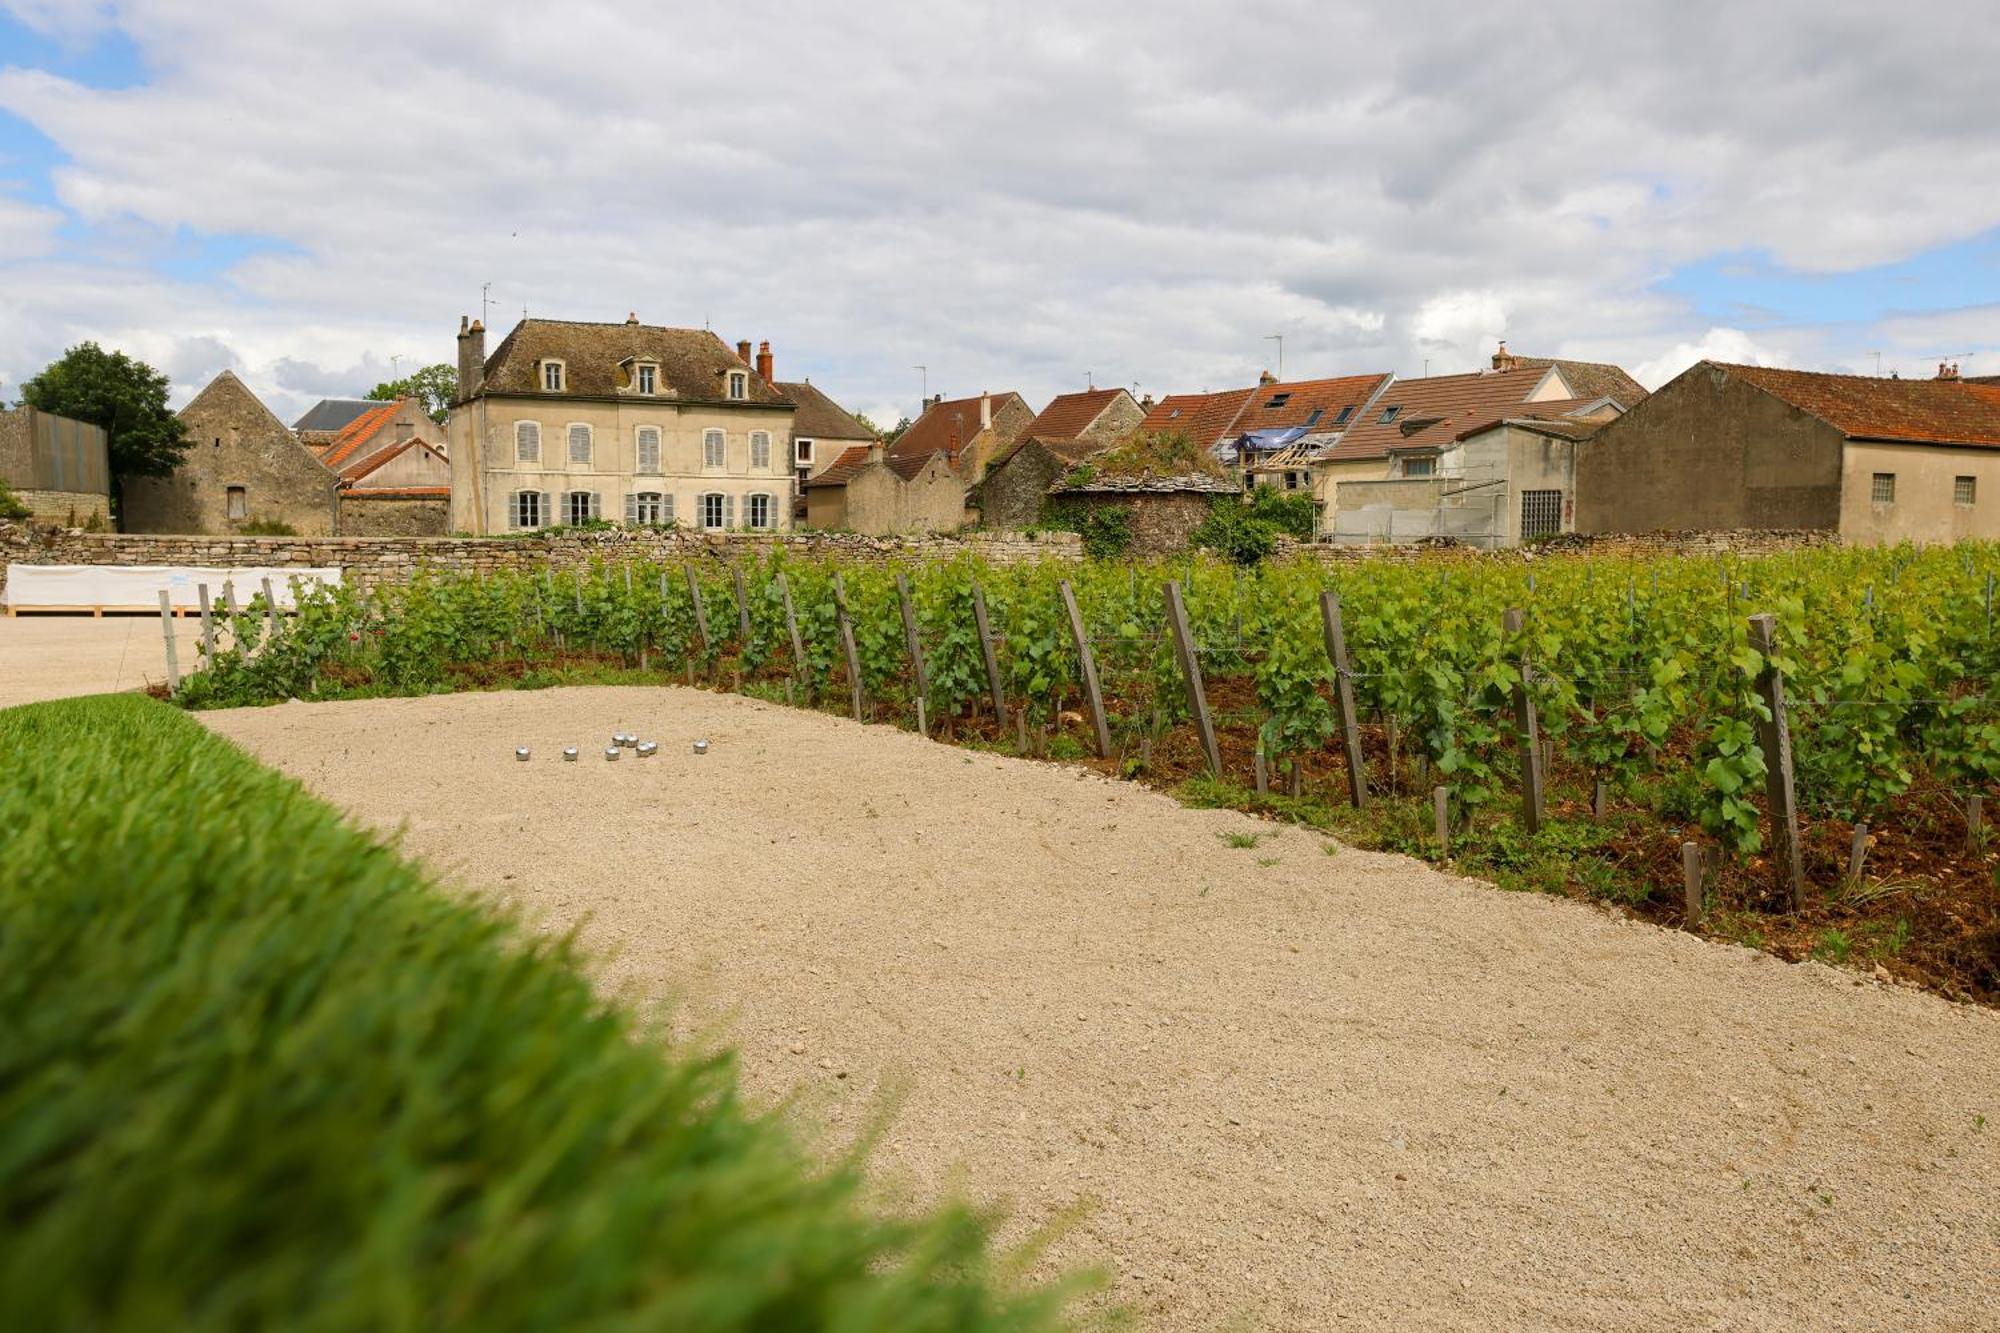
(471, 357)
(985, 410)
(875, 452)
(632, 319)
(1147, 402)
(951, 445)
(743, 351)
(1267, 378)
(764, 367)
(1947, 370)
(1503, 359)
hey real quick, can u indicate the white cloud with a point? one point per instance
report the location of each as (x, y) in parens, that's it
(1014, 197)
(1731, 345)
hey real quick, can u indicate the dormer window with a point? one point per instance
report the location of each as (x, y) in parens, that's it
(739, 385)
(552, 377)
(648, 379)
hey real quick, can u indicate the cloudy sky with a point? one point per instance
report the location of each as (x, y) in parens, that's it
(1015, 196)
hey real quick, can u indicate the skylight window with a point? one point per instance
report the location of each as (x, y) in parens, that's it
(1345, 413)
(1388, 415)
(1313, 420)
(1278, 400)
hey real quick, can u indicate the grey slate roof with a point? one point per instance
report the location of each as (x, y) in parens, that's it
(692, 362)
(819, 417)
(334, 413)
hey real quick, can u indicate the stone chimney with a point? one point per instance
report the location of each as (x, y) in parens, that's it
(632, 319)
(1267, 378)
(471, 357)
(1147, 402)
(985, 410)
(743, 351)
(1947, 370)
(764, 367)
(876, 452)
(1503, 359)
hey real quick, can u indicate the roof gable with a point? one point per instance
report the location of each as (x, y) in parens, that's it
(1313, 405)
(1069, 415)
(358, 433)
(932, 432)
(1203, 417)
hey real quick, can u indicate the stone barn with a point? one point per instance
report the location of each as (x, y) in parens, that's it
(243, 468)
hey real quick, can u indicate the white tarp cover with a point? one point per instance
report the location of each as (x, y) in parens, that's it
(137, 587)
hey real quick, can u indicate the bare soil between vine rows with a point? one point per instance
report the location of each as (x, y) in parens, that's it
(1289, 1083)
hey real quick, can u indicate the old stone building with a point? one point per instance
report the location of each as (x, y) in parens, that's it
(571, 422)
(1727, 446)
(58, 468)
(822, 430)
(1163, 512)
(970, 431)
(243, 469)
(864, 491)
(1072, 428)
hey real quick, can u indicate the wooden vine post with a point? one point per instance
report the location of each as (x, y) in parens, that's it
(993, 682)
(1775, 734)
(167, 627)
(270, 611)
(742, 604)
(1691, 883)
(1177, 625)
(1529, 726)
(916, 648)
(700, 612)
(800, 666)
(207, 623)
(1087, 667)
(1343, 693)
(853, 654)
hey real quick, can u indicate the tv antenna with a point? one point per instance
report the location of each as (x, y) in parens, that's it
(925, 371)
(1279, 339)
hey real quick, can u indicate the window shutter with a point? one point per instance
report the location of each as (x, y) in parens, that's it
(596, 504)
(728, 511)
(631, 508)
(667, 507)
(548, 509)
(514, 510)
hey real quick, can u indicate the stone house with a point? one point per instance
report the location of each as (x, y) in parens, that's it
(1163, 511)
(971, 431)
(58, 467)
(822, 430)
(1733, 447)
(243, 467)
(1072, 428)
(383, 426)
(569, 422)
(864, 491)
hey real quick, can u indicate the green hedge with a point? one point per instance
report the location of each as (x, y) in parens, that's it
(255, 1072)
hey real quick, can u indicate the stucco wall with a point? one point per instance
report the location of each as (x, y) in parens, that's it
(486, 471)
(1328, 476)
(880, 503)
(233, 440)
(1709, 452)
(1924, 509)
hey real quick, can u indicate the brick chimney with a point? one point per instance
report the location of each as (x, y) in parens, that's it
(743, 351)
(985, 410)
(764, 367)
(471, 357)
(1947, 370)
(632, 319)
(1147, 402)
(951, 445)
(1503, 359)
(1267, 378)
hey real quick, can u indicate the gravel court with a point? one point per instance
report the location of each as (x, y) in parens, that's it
(1291, 1089)
(56, 656)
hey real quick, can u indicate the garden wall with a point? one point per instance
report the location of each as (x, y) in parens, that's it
(1747, 541)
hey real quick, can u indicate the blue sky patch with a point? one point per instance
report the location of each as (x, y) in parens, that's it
(1747, 289)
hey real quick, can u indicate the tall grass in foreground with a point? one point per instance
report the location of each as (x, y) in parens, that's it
(255, 1072)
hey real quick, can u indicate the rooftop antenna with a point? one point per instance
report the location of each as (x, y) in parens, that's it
(1279, 339)
(1089, 382)
(925, 371)
(396, 366)
(485, 302)
(1878, 364)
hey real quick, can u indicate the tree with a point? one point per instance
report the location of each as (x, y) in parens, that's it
(895, 432)
(435, 386)
(126, 397)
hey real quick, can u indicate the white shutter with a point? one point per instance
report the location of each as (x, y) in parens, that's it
(548, 509)
(631, 508)
(596, 504)
(728, 511)
(667, 507)
(514, 510)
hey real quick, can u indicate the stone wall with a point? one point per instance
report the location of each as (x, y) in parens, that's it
(365, 515)
(368, 560)
(70, 509)
(1014, 492)
(1162, 522)
(1611, 545)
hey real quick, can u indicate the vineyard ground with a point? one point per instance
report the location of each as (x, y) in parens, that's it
(1286, 1080)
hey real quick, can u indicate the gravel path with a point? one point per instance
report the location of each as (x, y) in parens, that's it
(53, 657)
(1299, 1086)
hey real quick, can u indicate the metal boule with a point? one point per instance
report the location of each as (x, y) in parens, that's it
(701, 747)
(569, 754)
(646, 749)
(611, 752)
(521, 753)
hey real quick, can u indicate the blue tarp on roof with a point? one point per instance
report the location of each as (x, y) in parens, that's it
(1258, 442)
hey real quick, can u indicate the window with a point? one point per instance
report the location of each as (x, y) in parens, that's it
(739, 384)
(1884, 490)
(1313, 420)
(1291, 481)
(239, 502)
(527, 442)
(715, 511)
(649, 450)
(1541, 512)
(805, 475)
(711, 448)
(579, 444)
(1964, 490)
(579, 507)
(648, 378)
(526, 510)
(645, 507)
(760, 450)
(1420, 467)
(1345, 413)
(758, 511)
(802, 453)
(1278, 400)
(1388, 415)
(552, 376)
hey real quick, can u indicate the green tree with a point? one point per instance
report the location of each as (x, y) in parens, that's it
(869, 423)
(435, 386)
(126, 397)
(891, 435)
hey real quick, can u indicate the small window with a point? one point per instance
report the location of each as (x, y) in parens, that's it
(1964, 490)
(579, 507)
(1278, 400)
(1291, 481)
(739, 384)
(711, 448)
(714, 516)
(1345, 413)
(645, 507)
(648, 378)
(1884, 490)
(1313, 420)
(526, 510)
(552, 376)
(759, 511)
(1541, 512)
(239, 502)
(1388, 415)
(805, 475)
(579, 444)
(527, 442)
(649, 449)
(760, 450)
(1419, 467)
(802, 453)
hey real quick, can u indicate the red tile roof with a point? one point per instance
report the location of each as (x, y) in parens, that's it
(1865, 408)
(932, 432)
(1433, 410)
(1203, 417)
(355, 434)
(842, 469)
(1314, 404)
(1069, 415)
(361, 467)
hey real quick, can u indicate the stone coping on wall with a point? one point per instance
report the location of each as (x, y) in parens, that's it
(1744, 541)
